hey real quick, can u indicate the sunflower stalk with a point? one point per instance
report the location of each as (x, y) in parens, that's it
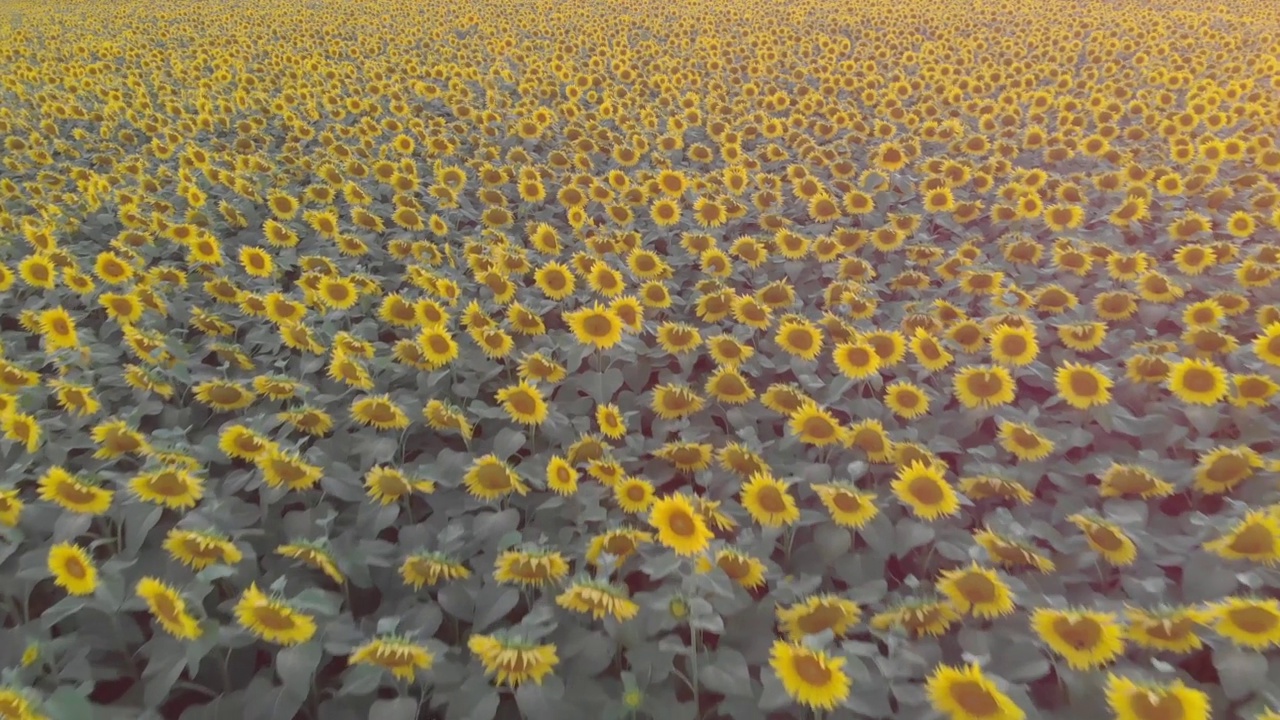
(693, 669)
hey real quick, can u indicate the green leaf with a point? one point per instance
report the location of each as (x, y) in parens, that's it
(1241, 671)
(297, 665)
(401, 708)
(496, 606)
(68, 704)
(727, 673)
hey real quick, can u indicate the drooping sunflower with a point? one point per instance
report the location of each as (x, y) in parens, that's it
(598, 598)
(819, 613)
(967, 693)
(173, 487)
(769, 501)
(403, 657)
(1106, 538)
(1011, 553)
(313, 554)
(740, 567)
(489, 478)
(680, 527)
(379, 412)
(168, 607)
(672, 402)
(923, 489)
(977, 590)
(386, 485)
(918, 617)
(72, 493)
(421, 569)
(1121, 480)
(533, 567)
(224, 395)
(849, 507)
(511, 660)
(984, 386)
(1024, 442)
(1086, 639)
(198, 550)
(1130, 700)
(1172, 629)
(72, 568)
(811, 677)
(272, 618)
(813, 425)
(287, 468)
(1223, 468)
(1255, 537)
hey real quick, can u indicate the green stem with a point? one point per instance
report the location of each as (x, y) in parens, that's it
(693, 660)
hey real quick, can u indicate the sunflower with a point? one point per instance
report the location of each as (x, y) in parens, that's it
(437, 346)
(817, 614)
(1016, 346)
(619, 543)
(38, 271)
(555, 281)
(1086, 639)
(728, 386)
(512, 660)
(1106, 539)
(523, 403)
(224, 395)
(967, 693)
(386, 485)
(72, 569)
(273, 619)
(1248, 622)
(430, 569)
(1023, 441)
(242, 443)
(634, 495)
(1267, 345)
(597, 326)
(856, 360)
(598, 598)
(925, 491)
(680, 527)
(171, 487)
(379, 412)
(1012, 554)
(168, 607)
(673, 402)
(769, 501)
(1223, 468)
(73, 494)
(1255, 537)
(813, 425)
(1253, 390)
(281, 467)
(401, 656)
(810, 677)
(58, 329)
(1144, 701)
(741, 568)
(489, 478)
(977, 590)
(1171, 629)
(918, 617)
(198, 550)
(848, 506)
(11, 506)
(800, 338)
(984, 386)
(928, 351)
(870, 437)
(906, 399)
(1082, 386)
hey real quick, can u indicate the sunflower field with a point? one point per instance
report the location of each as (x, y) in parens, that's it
(690, 360)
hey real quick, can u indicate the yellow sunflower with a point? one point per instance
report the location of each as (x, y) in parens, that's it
(597, 326)
(680, 527)
(817, 614)
(1106, 538)
(813, 425)
(1082, 386)
(967, 693)
(401, 656)
(523, 403)
(1172, 629)
(72, 568)
(532, 568)
(272, 618)
(856, 360)
(848, 506)
(1139, 701)
(513, 661)
(1086, 639)
(923, 489)
(489, 478)
(769, 501)
(1255, 537)
(598, 599)
(977, 590)
(169, 608)
(906, 399)
(72, 493)
(810, 677)
(984, 386)
(800, 338)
